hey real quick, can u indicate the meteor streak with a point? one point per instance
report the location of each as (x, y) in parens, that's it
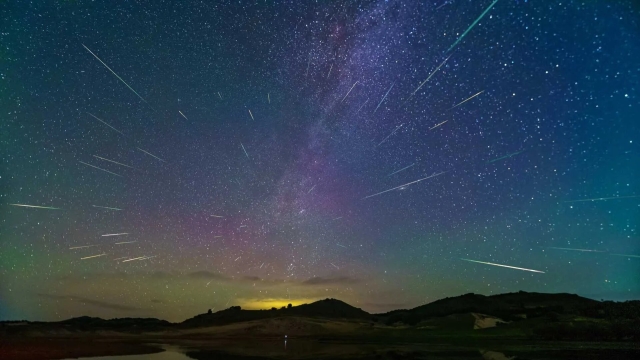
(506, 266)
(404, 168)
(245, 151)
(182, 114)
(124, 242)
(138, 258)
(106, 207)
(574, 249)
(633, 256)
(472, 25)
(81, 247)
(99, 168)
(409, 183)
(218, 216)
(115, 162)
(36, 206)
(335, 266)
(354, 84)
(429, 77)
(119, 234)
(604, 198)
(505, 157)
(330, 70)
(313, 187)
(361, 106)
(251, 116)
(94, 256)
(119, 78)
(384, 97)
(150, 154)
(95, 117)
(388, 136)
(431, 128)
(467, 99)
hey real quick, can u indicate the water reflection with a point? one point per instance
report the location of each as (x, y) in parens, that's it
(170, 353)
(308, 349)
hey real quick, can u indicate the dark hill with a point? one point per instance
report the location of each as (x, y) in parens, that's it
(507, 304)
(513, 306)
(326, 309)
(543, 308)
(329, 308)
(86, 322)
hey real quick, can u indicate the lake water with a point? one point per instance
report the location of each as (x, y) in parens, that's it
(170, 353)
(312, 349)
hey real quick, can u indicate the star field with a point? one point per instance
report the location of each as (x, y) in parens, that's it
(260, 153)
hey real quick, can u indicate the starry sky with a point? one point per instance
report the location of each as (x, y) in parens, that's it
(207, 154)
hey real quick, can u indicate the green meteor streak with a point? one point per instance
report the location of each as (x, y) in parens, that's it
(505, 157)
(626, 255)
(472, 25)
(106, 207)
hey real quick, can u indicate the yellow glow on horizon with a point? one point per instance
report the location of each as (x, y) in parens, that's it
(267, 304)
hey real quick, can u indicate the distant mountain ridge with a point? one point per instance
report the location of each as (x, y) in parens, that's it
(509, 307)
(506, 306)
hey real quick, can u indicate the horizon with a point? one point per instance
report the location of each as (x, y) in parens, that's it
(159, 160)
(281, 307)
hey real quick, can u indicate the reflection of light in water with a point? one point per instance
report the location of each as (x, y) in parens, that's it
(170, 353)
(285, 344)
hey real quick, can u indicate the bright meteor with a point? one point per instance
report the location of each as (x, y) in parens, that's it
(106, 207)
(465, 100)
(604, 198)
(626, 255)
(574, 249)
(36, 206)
(91, 257)
(403, 185)
(119, 78)
(472, 25)
(506, 266)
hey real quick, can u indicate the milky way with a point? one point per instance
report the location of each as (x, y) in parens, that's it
(381, 152)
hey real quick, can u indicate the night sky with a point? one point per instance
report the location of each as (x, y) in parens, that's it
(242, 153)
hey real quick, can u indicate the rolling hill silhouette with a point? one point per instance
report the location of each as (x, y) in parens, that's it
(549, 316)
(510, 306)
(327, 309)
